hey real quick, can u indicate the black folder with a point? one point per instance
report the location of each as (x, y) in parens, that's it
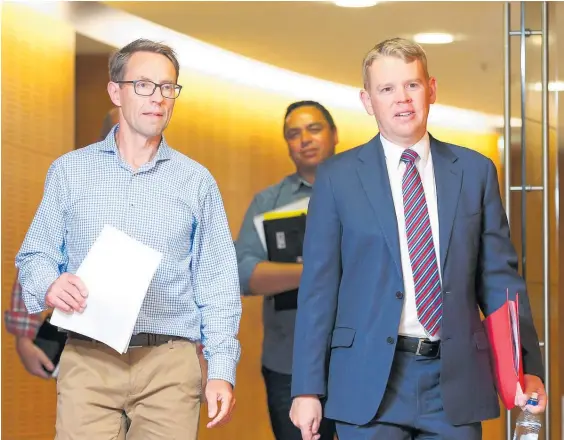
(51, 341)
(284, 243)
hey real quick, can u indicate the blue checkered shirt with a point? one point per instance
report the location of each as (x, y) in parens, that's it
(171, 204)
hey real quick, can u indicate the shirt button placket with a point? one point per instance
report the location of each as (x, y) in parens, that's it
(132, 190)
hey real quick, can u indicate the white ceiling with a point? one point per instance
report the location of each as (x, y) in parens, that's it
(329, 42)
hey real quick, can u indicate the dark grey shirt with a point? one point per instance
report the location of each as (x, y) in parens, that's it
(278, 325)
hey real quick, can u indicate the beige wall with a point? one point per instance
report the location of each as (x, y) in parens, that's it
(37, 126)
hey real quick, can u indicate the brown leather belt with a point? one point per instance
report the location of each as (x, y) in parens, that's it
(421, 347)
(139, 340)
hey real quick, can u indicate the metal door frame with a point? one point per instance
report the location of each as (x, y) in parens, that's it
(524, 33)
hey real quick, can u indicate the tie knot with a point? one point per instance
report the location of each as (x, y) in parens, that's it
(409, 156)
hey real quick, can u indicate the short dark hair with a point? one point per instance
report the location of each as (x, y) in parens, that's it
(118, 60)
(315, 104)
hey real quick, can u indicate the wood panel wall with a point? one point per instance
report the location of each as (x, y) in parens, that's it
(37, 126)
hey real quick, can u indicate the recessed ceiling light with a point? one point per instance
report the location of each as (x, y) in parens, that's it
(433, 38)
(355, 3)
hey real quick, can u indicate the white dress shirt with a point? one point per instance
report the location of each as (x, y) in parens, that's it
(409, 324)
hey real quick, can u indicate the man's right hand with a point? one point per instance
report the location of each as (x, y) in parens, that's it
(306, 415)
(33, 358)
(68, 294)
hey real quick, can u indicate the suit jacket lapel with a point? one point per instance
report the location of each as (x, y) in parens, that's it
(448, 180)
(373, 175)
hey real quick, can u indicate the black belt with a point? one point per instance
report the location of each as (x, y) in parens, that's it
(421, 347)
(139, 340)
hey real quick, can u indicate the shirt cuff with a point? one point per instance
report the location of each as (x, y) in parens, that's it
(21, 324)
(222, 367)
(33, 304)
(36, 279)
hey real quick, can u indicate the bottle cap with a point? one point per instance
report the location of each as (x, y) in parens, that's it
(533, 400)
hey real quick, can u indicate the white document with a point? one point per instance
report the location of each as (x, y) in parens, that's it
(294, 206)
(117, 272)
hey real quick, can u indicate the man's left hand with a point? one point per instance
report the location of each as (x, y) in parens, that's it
(533, 384)
(219, 391)
(33, 358)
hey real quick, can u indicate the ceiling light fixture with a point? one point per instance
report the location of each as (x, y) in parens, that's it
(355, 3)
(433, 38)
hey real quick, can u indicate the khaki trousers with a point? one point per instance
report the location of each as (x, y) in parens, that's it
(159, 388)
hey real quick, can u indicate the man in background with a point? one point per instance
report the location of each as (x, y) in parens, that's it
(311, 135)
(24, 327)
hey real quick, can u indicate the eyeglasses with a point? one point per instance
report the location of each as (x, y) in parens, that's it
(144, 87)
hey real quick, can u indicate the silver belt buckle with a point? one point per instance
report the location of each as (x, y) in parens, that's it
(418, 351)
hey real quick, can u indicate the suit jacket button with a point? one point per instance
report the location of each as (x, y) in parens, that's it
(399, 295)
(390, 340)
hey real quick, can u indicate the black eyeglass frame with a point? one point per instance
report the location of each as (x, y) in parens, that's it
(177, 87)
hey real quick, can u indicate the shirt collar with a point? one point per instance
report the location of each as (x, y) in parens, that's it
(393, 152)
(296, 182)
(109, 144)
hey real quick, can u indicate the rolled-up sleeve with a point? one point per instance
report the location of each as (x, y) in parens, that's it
(250, 250)
(18, 321)
(42, 257)
(216, 287)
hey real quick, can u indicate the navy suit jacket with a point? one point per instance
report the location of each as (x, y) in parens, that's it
(350, 296)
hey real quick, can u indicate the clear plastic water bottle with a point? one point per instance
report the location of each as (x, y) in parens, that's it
(528, 424)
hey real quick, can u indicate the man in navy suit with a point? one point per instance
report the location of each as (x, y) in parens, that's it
(406, 242)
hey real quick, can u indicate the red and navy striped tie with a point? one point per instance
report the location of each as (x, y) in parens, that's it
(421, 247)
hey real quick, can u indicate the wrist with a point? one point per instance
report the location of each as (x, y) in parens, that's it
(23, 343)
(20, 339)
(229, 384)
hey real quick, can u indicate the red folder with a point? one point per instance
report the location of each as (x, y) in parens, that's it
(502, 328)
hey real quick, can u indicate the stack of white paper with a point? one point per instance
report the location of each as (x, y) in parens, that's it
(117, 272)
(294, 206)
